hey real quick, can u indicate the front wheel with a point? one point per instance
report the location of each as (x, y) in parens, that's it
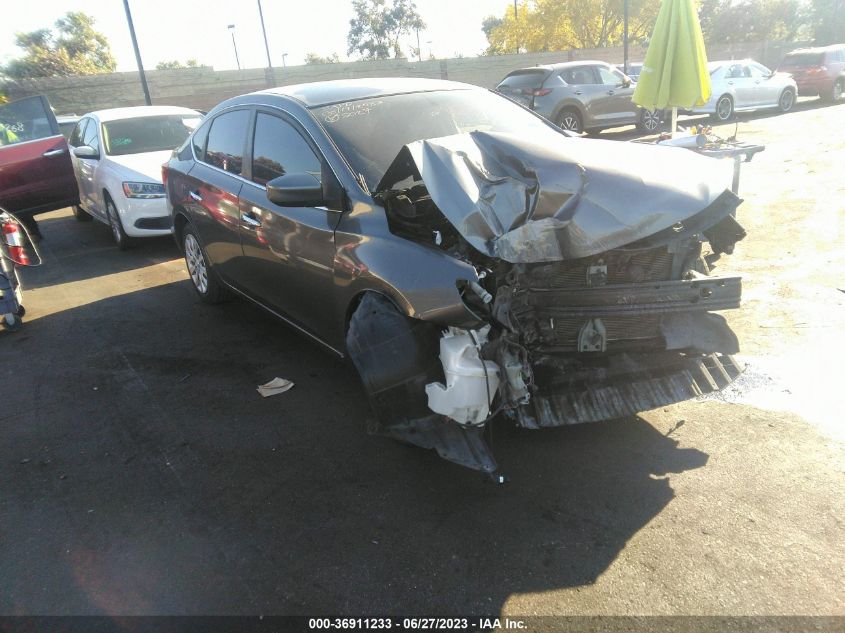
(205, 284)
(650, 121)
(787, 100)
(121, 239)
(724, 109)
(837, 90)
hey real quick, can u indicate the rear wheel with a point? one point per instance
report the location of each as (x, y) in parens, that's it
(724, 109)
(787, 100)
(570, 120)
(12, 322)
(81, 214)
(205, 284)
(121, 239)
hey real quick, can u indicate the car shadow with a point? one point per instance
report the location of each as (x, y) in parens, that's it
(145, 475)
(75, 251)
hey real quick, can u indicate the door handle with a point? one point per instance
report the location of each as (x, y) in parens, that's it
(53, 152)
(730, 83)
(577, 92)
(248, 218)
(610, 92)
(195, 196)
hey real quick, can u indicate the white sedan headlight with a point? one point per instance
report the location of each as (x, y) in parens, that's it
(143, 190)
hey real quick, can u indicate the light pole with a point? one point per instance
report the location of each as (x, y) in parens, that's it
(137, 53)
(516, 25)
(264, 31)
(625, 41)
(419, 50)
(234, 45)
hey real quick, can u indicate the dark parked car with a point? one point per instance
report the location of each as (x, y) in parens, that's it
(470, 258)
(36, 174)
(817, 71)
(580, 96)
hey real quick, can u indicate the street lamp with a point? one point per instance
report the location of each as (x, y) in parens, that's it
(137, 53)
(284, 63)
(234, 45)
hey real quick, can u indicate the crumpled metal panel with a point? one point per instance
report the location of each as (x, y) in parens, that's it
(641, 391)
(543, 199)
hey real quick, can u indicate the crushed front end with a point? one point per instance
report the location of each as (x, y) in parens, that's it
(588, 308)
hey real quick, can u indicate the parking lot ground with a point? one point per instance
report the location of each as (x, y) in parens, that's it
(141, 473)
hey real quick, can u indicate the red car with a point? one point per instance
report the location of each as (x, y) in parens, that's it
(36, 174)
(817, 71)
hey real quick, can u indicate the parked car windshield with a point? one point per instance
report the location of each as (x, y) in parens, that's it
(370, 132)
(147, 134)
(802, 59)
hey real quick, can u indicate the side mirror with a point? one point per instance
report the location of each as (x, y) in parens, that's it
(626, 83)
(85, 151)
(295, 190)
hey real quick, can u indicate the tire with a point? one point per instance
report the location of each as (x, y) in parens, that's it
(121, 239)
(11, 322)
(81, 214)
(786, 100)
(837, 90)
(205, 284)
(651, 121)
(570, 120)
(724, 109)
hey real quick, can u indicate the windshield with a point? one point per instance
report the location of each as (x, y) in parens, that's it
(370, 132)
(147, 134)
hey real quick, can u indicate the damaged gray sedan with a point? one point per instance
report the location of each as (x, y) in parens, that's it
(471, 259)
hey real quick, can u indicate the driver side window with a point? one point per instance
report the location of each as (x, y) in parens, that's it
(78, 133)
(610, 77)
(279, 149)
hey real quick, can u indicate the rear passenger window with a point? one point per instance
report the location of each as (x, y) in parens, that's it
(198, 141)
(578, 76)
(278, 149)
(225, 148)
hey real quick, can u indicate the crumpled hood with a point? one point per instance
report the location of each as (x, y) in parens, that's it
(528, 200)
(147, 165)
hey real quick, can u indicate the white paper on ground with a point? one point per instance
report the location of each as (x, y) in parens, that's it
(275, 386)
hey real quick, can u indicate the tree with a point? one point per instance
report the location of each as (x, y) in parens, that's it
(552, 25)
(314, 58)
(727, 21)
(375, 30)
(174, 64)
(826, 21)
(74, 49)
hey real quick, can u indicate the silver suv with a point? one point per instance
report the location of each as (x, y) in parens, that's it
(584, 96)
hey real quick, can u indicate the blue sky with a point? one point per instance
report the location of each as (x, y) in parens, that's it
(181, 29)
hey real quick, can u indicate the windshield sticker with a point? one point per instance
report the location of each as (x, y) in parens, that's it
(121, 141)
(335, 113)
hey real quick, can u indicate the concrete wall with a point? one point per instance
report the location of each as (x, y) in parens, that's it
(202, 88)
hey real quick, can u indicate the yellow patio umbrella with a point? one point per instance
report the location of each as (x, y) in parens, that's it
(674, 73)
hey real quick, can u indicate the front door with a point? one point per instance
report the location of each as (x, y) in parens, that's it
(617, 107)
(289, 252)
(87, 134)
(739, 77)
(35, 169)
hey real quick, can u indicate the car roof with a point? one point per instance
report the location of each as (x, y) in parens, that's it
(322, 93)
(113, 114)
(815, 49)
(560, 65)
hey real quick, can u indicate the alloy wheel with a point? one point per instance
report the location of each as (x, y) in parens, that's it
(787, 99)
(651, 120)
(724, 108)
(569, 121)
(196, 263)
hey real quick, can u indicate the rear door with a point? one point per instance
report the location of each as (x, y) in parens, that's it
(35, 169)
(214, 184)
(585, 88)
(289, 252)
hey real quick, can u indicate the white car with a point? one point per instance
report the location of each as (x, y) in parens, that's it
(117, 156)
(739, 85)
